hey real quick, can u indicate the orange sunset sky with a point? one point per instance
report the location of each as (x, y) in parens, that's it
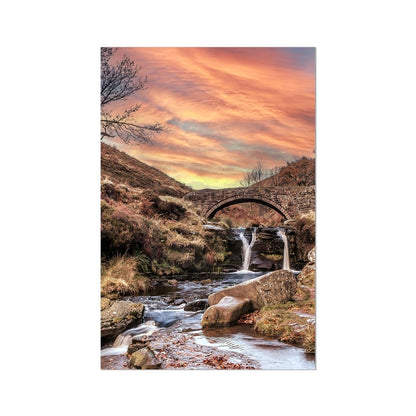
(225, 109)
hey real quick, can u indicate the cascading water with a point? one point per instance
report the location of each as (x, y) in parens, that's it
(247, 248)
(123, 340)
(282, 235)
(171, 325)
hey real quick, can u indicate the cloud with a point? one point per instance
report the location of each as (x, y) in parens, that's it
(225, 108)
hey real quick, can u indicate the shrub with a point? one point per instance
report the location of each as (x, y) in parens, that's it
(143, 263)
(169, 209)
(120, 233)
(210, 258)
(146, 207)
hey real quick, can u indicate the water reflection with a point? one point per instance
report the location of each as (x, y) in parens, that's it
(164, 309)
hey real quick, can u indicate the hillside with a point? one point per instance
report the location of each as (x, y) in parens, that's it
(118, 167)
(147, 229)
(300, 172)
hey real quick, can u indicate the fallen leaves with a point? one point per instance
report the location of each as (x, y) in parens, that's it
(249, 318)
(221, 362)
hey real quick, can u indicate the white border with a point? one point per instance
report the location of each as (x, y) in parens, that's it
(50, 214)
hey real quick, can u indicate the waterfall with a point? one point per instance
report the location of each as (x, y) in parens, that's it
(247, 249)
(282, 235)
(123, 340)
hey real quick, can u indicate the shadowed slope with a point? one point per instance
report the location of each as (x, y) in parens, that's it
(119, 167)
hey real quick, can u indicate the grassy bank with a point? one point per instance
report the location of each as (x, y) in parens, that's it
(292, 322)
(147, 229)
(122, 276)
(282, 321)
(164, 233)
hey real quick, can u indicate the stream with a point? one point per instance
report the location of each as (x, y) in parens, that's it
(178, 335)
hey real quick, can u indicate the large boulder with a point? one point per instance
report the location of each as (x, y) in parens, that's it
(144, 359)
(227, 311)
(119, 316)
(273, 287)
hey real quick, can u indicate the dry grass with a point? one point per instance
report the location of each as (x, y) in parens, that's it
(182, 259)
(119, 167)
(308, 217)
(184, 203)
(120, 276)
(307, 276)
(273, 257)
(309, 338)
(282, 322)
(299, 172)
(179, 241)
(130, 226)
(140, 217)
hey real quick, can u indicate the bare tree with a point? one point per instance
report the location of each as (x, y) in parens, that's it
(118, 82)
(258, 173)
(273, 175)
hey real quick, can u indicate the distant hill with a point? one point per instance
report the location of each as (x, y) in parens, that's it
(119, 167)
(300, 172)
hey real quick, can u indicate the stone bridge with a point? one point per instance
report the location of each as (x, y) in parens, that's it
(288, 201)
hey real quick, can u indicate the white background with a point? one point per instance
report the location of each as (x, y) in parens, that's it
(50, 221)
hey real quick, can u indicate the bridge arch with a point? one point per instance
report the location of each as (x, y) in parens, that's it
(237, 199)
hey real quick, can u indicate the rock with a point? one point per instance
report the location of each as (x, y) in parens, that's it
(311, 256)
(273, 287)
(105, 303)
(206, 282)
(307, 275)
(173, 282)
(119, 316)
(144, 359)
(197, 305)
(268, 243)
(233, 260)
(178, 302)
(136, 346)
(113, 296)
(230, 269)
(226, 311)
(260, 263)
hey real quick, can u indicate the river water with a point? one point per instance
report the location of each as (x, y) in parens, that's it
(178, 334)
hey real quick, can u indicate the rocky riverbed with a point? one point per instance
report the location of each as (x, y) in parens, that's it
(178, 341)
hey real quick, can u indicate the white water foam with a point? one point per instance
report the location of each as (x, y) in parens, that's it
(286, 264)
(247, 250)
(122, 342)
